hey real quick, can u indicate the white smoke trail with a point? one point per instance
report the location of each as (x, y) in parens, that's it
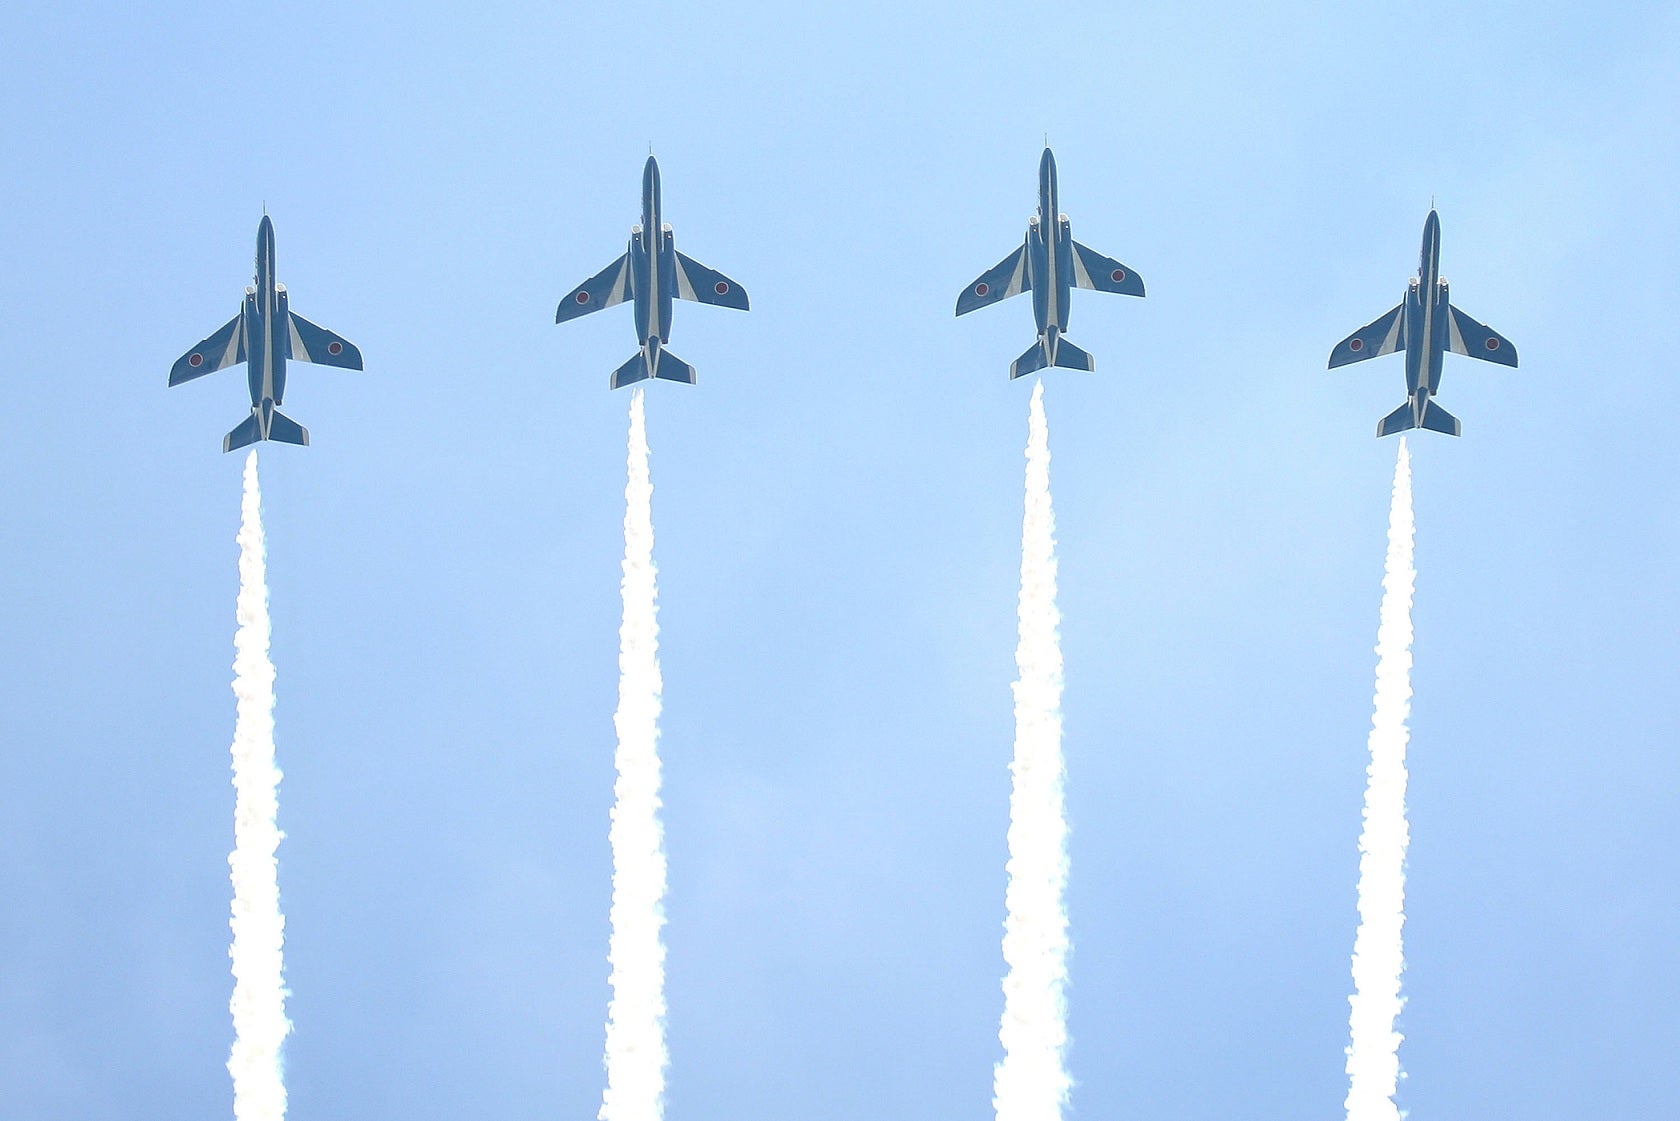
(635, 1052)
(1373, 1054)
(1031, 1083)
(259, 992)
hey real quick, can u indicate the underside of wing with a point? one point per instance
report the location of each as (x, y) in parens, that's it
(707, 286)
(1005, 279)
(612, 285)
(310, 343)
(225, 348)
(1383, 335)
(1477, 340)
(1103, 274)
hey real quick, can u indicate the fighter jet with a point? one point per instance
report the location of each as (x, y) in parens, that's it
(264, 335)
(1426, 325)
(651, 272)
(1049, 264)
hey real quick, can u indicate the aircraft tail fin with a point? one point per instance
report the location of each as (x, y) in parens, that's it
(288, 431)
(641, 366)
(1037, 357)
(1435, 418)
(248, 432)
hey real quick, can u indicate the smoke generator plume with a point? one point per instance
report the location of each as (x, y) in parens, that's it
(1031, 1083)
(1373, 1054)
(259, 991)
(635, 1051)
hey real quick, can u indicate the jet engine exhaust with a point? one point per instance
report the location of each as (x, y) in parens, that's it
(1031, 1082)
(1373, 1053)
(636, 1055)
(259, 991)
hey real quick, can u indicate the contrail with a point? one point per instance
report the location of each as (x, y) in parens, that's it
(635, 1052)
(1031, 1083)
(1373, 1054)
(259, 992)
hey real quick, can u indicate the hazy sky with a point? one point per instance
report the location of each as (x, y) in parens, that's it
(838, 514)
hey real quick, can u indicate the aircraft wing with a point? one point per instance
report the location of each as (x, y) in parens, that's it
(225, 348)
(708, 286)
(1103, 274)
(1478, 340)
(1005, 279)
(612, 285)
(1383, 335)
(310, 343)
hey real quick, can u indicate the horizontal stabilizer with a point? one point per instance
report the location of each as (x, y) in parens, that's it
(671, 368)
(1437, 419)
(631, 372)
(1031, 362)
(249, 432)
(288, 431)
(1070, 357)
(663, 364)
(1037, 357)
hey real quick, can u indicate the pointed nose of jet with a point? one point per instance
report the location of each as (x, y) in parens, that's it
(265, 244)
(650, 178)
(1431, 238)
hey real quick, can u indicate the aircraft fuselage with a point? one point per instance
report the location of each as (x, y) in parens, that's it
(1427, 320)
(654, 267)
(265, 318)
(1050, 257)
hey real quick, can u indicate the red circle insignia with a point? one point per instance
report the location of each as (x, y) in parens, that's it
(195, 359)
(1356, 344)
(1118, 275)
(982, 288)
(1493, 344)
(335, 347)
(583, 297)
(721, 287)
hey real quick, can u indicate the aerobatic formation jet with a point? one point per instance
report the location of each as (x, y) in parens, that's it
(1426, 325)
(265, 335)
(652, 273)
(1049, 264)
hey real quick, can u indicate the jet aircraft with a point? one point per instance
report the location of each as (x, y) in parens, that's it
(1426, 325)
(651, 273)
(1049, 264)
(265, 335)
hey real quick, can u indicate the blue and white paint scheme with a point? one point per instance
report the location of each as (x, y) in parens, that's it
(265, 335)
(652, 273)
(1050, 264)
(1426, 325)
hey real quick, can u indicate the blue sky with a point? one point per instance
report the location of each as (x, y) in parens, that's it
(838, 509)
